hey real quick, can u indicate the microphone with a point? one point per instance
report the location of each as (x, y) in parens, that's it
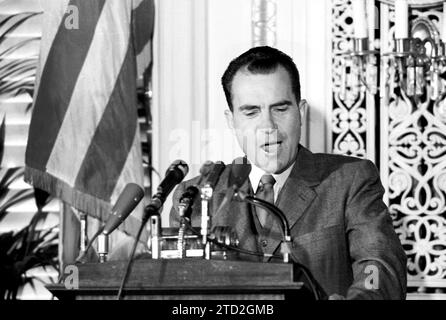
(240, 170)
(206, 194)
(188, 196)
(186, 201)
(174, 175)
(127, 201)
(214, 174)
(205, 170)
(185, 207)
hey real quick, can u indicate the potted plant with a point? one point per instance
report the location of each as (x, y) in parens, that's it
(32, 246)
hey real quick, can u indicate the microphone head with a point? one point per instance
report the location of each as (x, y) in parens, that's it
(179, 168)
(215, 173)
(206, 168)
(240, 170)
(174, 175)
(127, 201)
(187, 198)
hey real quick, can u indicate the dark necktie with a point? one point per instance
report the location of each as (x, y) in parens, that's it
(265, 191)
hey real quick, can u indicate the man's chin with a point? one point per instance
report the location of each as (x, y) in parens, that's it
(268, 165)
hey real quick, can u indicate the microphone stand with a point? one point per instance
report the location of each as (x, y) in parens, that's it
(103, 247)
(185, 211)
(285, 247)
(155, 235)
(206, 195)
(181, 243)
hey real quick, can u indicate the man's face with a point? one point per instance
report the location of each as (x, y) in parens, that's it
(266, 118)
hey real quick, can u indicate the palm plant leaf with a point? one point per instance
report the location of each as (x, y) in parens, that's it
(9, 197)
(24, 250)
(20, 19)
(16, 243)
(17, 75)
(17, 197)
(2, 139)
(8, 176)
(18, 68)
(16, 87)
(29, 240)
(5, 53)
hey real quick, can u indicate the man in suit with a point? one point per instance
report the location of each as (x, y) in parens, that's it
(341, 229)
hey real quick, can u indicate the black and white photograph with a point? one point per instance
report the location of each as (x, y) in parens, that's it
(233, 157)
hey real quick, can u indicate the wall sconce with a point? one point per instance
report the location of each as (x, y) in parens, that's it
(359, 66)
(418, 58)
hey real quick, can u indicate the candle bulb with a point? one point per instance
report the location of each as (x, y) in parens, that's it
(443, 33)
(359, 19)
(371, 16)
(401, 19)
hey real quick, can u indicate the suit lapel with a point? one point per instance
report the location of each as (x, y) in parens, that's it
(295, 196)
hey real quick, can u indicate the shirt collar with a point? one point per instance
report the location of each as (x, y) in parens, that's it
(257, 173)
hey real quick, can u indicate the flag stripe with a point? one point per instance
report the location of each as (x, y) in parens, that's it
(130, 172)
(59, 79)
(144, 59)
(103, 160)
(92, 92)
(143, 22)
(53, 13)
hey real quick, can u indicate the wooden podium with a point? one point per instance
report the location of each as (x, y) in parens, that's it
(185, 279)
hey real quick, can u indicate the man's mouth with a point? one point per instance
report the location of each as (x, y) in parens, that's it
(271, 147)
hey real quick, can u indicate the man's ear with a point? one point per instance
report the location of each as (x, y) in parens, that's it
(303, 108)
(229, 119)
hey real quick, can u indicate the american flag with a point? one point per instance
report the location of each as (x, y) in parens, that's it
(84, 143)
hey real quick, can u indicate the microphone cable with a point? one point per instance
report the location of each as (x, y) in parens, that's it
(229, 247)
(314, 285)
(130, 260)
(271, 209)
(311, 281)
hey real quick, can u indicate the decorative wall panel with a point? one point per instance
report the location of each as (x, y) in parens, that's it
(411, 144)
(349, 134)
(414, 149)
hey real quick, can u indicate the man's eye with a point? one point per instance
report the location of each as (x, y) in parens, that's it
(250, 113)
(281, 109)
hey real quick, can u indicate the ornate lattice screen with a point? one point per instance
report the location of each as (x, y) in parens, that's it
(405, 136)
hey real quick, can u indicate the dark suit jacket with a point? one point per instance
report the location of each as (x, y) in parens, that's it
(340, 227)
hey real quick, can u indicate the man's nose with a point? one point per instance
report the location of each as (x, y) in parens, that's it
(267, 122)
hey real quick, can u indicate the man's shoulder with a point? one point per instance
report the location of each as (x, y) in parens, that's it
(326, 164)
(331, 159)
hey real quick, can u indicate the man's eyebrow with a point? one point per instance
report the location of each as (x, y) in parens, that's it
(281, 103)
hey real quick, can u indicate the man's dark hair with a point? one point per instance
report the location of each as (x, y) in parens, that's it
(260, 60)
